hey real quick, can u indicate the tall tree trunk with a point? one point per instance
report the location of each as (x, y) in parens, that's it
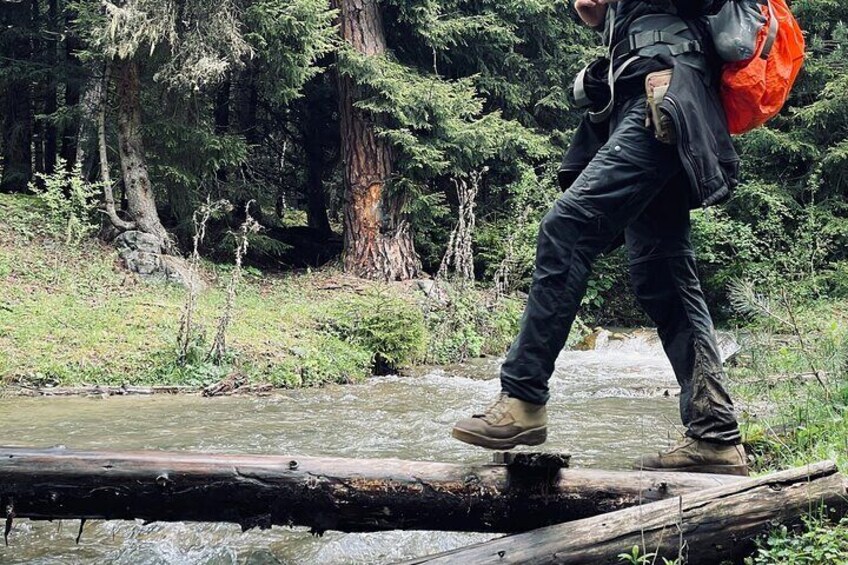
(378, 241)
(103, 157)
(316, 202)
(38, 93)
(51, 101)
(222, 118)
(140, 198)
(93, 99)
(16, 19)
(73, 90)
(246, 106)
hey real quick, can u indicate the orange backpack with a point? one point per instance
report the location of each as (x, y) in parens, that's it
(755, 90)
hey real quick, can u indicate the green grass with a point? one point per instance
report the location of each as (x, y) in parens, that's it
(796, 420)
(71, 315)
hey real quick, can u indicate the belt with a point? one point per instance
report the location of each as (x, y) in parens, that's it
(628, 51)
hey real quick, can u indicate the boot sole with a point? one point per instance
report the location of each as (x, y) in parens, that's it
(534, 436)
(740, 470)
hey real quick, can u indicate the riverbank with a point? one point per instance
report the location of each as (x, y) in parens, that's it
(792, 392)
(73, 316)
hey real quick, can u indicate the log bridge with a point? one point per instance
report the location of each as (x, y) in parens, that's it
(546, 505)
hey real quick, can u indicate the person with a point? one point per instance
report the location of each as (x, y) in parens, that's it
(639, 162)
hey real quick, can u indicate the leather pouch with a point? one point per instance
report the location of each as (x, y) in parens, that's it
(656, 86)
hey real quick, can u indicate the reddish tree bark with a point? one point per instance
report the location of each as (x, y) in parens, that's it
(378, 241)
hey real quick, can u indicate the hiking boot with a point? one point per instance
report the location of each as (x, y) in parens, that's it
(697, 456)
(508, 422)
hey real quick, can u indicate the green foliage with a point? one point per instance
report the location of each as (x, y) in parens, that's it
(796, 380)
(508, 237)
(328, 360)
(466, 322)
(786, 225)
(200, 44)
(438, 125)
(636, 557)
(456, 326)
(70, 203)
(288, 37)
(819, 541)
(390, 328)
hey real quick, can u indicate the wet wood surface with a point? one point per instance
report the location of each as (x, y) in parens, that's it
(706, 527)
(323, 493)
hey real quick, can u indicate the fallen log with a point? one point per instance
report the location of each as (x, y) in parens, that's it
(350, 495)
(706, 527)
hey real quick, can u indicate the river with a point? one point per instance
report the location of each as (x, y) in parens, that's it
(607, 406)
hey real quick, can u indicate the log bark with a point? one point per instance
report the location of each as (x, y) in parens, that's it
(378, 241)
(705, 527)
(141, 201)
(349, 495)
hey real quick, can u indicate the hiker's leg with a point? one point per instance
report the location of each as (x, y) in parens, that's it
(611, 192)
(665, 281)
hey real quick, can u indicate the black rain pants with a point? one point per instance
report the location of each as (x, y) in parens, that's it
(628, 187)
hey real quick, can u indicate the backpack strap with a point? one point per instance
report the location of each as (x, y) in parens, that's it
(628, 51)
(774, 26)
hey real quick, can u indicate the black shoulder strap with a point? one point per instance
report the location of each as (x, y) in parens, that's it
(666, 5)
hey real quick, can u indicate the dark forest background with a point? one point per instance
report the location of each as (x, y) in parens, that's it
(372, 128)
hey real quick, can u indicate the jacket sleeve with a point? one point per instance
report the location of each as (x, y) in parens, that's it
(697, 8)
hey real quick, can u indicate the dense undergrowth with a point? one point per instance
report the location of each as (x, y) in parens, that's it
(71, 315)
(793, 392)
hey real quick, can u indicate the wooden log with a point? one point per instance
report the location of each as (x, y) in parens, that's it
(707, 527)
(350, 495)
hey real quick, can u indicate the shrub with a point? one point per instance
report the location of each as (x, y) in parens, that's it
(819, 542)
(70, 201)
(387, 326)
(327, 360)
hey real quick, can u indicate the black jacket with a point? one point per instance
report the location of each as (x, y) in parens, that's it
(693, 102)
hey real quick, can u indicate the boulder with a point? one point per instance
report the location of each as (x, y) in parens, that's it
(142, 254)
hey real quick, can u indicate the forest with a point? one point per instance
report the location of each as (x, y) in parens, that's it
(257, 195)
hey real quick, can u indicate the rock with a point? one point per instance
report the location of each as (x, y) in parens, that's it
(598, 338)
(426, 285)
(139, 241)
(142, 254)
(587, 343)
(177, 270)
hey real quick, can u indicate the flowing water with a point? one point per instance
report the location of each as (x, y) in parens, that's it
(607, 406)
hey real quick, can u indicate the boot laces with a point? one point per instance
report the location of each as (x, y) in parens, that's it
(681, 445)
(496, 411)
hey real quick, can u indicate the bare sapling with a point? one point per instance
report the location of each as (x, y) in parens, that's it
(250, 226)
(188, 329)
(503, 274)
(459, 254)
